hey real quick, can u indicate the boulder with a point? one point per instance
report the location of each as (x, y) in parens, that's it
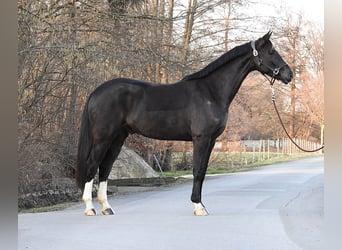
(130, 165)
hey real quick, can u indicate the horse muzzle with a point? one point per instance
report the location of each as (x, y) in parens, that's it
(285, 74)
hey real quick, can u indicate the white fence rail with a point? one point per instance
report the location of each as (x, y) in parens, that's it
(281, 146)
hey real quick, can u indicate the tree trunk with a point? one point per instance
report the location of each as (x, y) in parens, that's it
(69, 124)
(189, 23)
(227, 25)
(167, 43)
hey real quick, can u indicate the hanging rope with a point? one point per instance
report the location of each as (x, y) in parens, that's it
(282, 123)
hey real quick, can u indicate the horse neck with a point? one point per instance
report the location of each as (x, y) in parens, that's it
(226, 81)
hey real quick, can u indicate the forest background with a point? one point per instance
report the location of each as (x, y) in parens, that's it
(66, 48)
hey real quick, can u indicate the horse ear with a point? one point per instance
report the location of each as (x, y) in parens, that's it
(267, 36)
(261, 41)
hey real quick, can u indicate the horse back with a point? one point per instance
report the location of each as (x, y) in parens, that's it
(166, 97)
(128, 93)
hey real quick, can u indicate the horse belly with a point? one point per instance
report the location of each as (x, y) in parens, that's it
(165, 125)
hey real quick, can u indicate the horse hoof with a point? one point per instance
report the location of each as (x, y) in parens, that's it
(201, 212)
(108, 211)
(90, 212)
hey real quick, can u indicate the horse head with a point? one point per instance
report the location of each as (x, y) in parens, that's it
(268, 61)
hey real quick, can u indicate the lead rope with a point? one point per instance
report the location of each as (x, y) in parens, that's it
(281, 121)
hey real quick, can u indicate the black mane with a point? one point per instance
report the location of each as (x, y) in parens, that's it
(222, 60)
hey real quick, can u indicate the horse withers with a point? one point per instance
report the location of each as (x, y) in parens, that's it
(193, 109)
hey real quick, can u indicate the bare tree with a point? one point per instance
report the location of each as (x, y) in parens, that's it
(302, 45)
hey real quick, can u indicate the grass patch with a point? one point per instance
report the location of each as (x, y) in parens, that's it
(235, 161)
(52, 208)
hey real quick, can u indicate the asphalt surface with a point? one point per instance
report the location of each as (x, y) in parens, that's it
(274, 207)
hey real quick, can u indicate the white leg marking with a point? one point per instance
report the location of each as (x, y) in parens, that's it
(199, 209)
(102, 197)
(87, 198)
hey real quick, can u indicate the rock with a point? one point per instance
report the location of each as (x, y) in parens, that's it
(130, 165)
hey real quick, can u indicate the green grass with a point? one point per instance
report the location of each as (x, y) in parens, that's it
(240, 162)
(56, 207)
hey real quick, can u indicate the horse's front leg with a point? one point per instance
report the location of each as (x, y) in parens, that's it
(201, 154)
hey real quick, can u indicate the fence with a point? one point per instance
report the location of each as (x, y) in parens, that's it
(240, 153)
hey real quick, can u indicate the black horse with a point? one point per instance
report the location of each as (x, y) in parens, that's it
(193, 109)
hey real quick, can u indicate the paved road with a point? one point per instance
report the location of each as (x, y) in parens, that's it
(271, 208)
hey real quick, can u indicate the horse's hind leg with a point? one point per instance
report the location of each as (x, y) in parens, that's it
(96, 156)
(104, 171)
(87, 199)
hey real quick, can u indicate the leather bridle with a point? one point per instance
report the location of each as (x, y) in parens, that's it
(259, 62)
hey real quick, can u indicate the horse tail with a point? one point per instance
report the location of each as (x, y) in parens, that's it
(84, 146)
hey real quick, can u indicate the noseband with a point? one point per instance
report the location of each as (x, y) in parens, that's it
(258, 60)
